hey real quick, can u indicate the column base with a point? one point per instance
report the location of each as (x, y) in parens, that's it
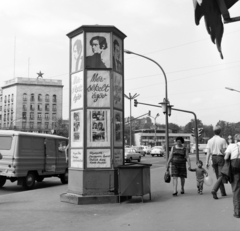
(77, 199)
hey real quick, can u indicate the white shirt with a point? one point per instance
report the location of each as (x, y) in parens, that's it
(234, 150)
(216, 145)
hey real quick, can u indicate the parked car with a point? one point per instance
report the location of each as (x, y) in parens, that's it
(146, 150)
(131, 154)
(201, 147)
(157, 151)
(139, 150)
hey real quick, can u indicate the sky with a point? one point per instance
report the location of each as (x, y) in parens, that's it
(33, 38)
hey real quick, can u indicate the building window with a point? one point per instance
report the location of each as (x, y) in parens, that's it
(24, 124)
(47, 98)
(0, 99)
(46, 116)
(24, 115)
(53, 124)
(40, 97)
(24, 107)
(46, 107)
(39, 116)
(31, 115)
(54, 116)
(31, 124)
(39, 107)
(54, 99)
(32, 107)
(0, 118)
(39, 125)
(4, 118)
(0, 108)
(12, 98)
(54, 107)
(7, 116)
(32, 97)
(24, 97)
(12, 107)
(4, 125)
(46, 125)
(5, 99)
(8, 98)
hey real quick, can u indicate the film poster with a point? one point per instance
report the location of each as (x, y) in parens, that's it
(98, 158)
(77, 158)
(98, 50)
(118, 157)
(98, 128)
(118, 91)
(77, 90)
(77, 128)
(98, 89)
(77, 54)
(118, 128)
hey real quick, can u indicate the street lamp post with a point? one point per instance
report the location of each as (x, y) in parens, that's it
(231, 89)
(131, 97)
(155, 127)
(166, 96)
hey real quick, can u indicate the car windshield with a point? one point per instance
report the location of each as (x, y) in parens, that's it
(5, 142)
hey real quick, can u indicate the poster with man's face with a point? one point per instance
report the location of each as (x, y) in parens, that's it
(117, 55)
(98, 50)
(77, 53)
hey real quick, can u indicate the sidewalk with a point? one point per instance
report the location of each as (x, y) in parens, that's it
(42, 210)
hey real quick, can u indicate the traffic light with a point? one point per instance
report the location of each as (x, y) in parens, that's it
(193, 132)
(135, 103)
(149, 113)
(200, 130)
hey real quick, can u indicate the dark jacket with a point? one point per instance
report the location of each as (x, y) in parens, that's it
(226, 172)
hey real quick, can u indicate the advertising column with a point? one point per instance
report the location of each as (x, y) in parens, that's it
(96, 113)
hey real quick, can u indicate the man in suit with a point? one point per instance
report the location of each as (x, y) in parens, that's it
(117, 64)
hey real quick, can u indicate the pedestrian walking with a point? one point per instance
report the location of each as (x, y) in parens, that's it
(233, 152)
(178, 158)
(216, 147)
(200, 173)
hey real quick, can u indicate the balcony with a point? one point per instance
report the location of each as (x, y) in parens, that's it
(39, 118)
(54, 109)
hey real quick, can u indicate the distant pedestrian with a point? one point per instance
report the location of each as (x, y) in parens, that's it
(178, 158)
(200, 173)
(216, 147)
(233, 151)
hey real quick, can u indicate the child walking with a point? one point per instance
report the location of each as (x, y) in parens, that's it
(200, 172)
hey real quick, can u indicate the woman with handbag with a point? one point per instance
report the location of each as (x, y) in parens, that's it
(178, 158)
(233, 151)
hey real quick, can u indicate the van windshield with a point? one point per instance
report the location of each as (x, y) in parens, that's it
(5, 142)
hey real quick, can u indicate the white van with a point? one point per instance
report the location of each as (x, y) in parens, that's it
(28, 157)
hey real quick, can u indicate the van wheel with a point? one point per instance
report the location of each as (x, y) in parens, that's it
(64, 177)
(29, 181)
(2, 181)
(40, 179)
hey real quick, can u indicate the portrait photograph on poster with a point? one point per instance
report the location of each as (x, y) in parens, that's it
(118, 91)
(77, 90)
(98, 50)
(98, 126)
(98, 88)
(118, 128)
(117, 54)
(77, 53)
(77, 128)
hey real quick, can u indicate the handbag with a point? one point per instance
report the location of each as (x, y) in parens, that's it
(167, 177)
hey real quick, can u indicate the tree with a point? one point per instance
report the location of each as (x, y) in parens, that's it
(174, 127)
(189, 126)
(61, 127)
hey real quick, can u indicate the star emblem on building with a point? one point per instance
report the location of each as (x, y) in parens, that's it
(40, 74)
